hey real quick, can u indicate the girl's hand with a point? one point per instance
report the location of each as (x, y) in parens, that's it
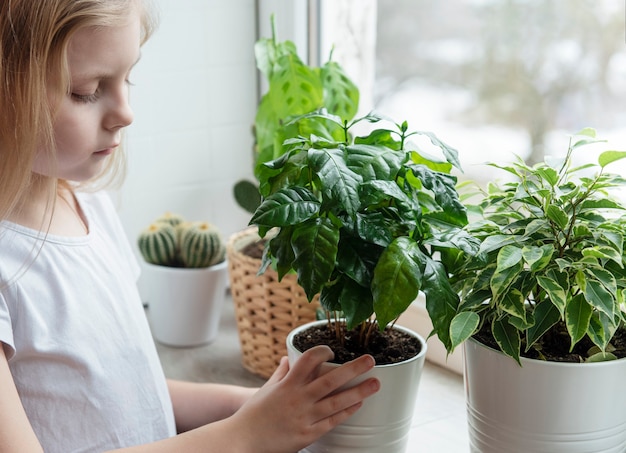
(296, 406)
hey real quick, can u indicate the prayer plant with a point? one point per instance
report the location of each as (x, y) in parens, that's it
(361, 219)
(294, 88)
(551, 259)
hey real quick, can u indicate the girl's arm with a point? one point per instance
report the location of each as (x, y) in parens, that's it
(16, 434)
(295, 407)
(197, 404)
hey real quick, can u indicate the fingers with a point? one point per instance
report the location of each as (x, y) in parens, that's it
(336, 407)
(339, 376)
(280, 372)
(307, 366)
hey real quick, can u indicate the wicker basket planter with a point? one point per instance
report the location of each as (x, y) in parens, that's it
(266, 309)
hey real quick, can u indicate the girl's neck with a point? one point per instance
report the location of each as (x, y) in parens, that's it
(51, 207)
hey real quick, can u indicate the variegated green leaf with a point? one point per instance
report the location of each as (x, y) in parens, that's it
(577, 317)
(508, 256)
(555, 291)
(463, 326)
(507, 337)
(597, 295)
(502, 279)
(546, 315)
(537, 258)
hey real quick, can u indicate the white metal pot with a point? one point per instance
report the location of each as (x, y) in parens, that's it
(543, 407)
(185, 305)
(383, 423)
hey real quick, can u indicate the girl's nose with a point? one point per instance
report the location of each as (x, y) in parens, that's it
(119, 112)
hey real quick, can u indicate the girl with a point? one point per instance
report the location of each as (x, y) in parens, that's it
(78, 368)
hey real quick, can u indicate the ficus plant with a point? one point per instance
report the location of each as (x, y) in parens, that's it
(551, 259)
(361, 220)
(294, 88)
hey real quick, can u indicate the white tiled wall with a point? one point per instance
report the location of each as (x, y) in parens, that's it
(194, 101)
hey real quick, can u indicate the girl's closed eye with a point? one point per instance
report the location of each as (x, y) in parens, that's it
(85, 98)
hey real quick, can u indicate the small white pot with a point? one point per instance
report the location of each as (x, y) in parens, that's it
(383, 423)
(185, 305)
(543, 407)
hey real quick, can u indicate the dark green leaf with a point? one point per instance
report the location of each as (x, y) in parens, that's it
(374, 162)
(442, 301)
(280, 247)
(356, 302)
(558, 216)
(443, 187)
(337, 181)
(546, 315)
(397, 279)
(315, 244)
(286, 207)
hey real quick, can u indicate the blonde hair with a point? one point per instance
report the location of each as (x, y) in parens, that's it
(34, 37)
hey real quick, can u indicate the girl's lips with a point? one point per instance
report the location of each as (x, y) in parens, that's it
(105, 152)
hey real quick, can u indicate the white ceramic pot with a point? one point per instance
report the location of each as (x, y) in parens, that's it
(185, 305)
(543, 407)
(382, 424)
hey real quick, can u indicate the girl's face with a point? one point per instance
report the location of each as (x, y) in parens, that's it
(89, 120)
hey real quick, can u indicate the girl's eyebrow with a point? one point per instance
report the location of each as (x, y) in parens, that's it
(104, 75)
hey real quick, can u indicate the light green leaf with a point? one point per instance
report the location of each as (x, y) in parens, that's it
(537, 257)
(608, 157)
(587, 131)
(601, 357)
(513, 303)
(496, 241)
(508, 256)
(549, 174)
(463, 326)
(603, 252)
(341, 96)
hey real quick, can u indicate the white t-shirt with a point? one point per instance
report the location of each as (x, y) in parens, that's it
(77, 338)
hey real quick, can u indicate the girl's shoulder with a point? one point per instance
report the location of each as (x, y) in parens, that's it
(99, 211)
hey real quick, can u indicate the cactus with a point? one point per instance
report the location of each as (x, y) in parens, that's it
(201, 245)
(171, 218)
(157, 244)
(172, 241)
